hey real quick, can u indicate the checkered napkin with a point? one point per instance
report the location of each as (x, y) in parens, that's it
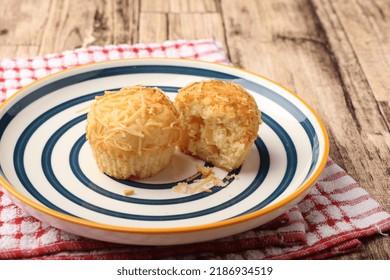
(327, 222)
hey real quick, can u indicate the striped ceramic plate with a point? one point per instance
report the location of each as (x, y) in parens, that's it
(47, 167)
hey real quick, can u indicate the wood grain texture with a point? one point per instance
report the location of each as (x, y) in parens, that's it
(335, 54)
(209, 26)
(179, 6)
(153, 27)
(370, 122)
(67, 24)
(16, 25)
(368, 30)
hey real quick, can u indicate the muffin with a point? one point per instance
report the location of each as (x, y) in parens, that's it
(132, 132)
(219, 122)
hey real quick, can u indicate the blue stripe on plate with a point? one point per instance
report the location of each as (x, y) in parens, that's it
(20, 170)
(163, 69)
(47, 168)
(292, 109)
(49, 173)
(75, 166)
(102, 73)
(25, 101)
(46, 164)
(167, 69)
(291, 165)
(21, 147)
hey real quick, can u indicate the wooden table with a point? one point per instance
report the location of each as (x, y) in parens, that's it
(335, 54)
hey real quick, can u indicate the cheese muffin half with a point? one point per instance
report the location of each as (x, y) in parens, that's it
(219, 122)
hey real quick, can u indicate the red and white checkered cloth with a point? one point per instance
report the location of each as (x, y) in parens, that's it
(329, 221)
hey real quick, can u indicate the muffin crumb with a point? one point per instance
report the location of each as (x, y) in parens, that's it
(128, 192)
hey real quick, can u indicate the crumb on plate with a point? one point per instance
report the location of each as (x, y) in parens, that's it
(128, 192)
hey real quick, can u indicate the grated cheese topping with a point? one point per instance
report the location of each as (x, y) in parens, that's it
(133, 119)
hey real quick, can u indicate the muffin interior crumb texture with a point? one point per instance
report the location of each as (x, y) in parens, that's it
(219, 122)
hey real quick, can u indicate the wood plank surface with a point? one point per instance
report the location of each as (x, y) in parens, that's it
(335, 54)
(156, 32)
(181, 26)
